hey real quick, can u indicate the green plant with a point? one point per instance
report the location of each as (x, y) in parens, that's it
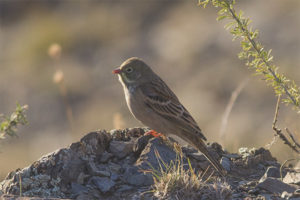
(257, 57)
(8, 125)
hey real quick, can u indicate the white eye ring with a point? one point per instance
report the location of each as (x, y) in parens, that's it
(129, 70)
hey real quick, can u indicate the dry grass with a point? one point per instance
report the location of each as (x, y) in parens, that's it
(173, 181)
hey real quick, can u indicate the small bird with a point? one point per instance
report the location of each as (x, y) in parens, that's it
(153, 103)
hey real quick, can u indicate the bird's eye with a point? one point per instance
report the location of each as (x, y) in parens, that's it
(129, 70)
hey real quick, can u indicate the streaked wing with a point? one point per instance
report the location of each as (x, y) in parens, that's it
(164, 102)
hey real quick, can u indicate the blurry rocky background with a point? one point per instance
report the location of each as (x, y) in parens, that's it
(182, 42)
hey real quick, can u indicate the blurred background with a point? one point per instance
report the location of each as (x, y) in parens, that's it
(57, 57)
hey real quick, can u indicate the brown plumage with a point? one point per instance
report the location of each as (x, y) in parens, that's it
(153, 103)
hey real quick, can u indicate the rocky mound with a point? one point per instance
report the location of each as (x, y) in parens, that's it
(118, 165)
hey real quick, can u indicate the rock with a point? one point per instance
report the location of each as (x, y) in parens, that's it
(232, 155)
(26, 183)
(225, 162)
(103, 184)
(114, 177)
(93, 170)
(93, 143)
(77, 189)
(134, 177)
(124, 188)
(121, 149)
(119, 135)
(115, 168)
(276, 186)
(292, 177)
(71, 168)
(137, 132)
(271, 172)
(81, 178)
(166, 154)
(253, 157)
(140, 144)
(105, 156)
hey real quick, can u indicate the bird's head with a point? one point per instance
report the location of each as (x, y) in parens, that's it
(133, 72)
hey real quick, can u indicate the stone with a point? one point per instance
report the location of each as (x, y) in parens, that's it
(124, 188)
(71, 169)
(148, 155)
(232, 155)
(270, 172)
(105, 156)
(140, 144)
(81, 178)
(292, 177)
(103, 173)
(120, 149)
(134, 176)
(78, 189)
(93, 170)
(225, 162)
(276, 186)
(137, 132)
(104, 184)
(26, 183)
(114, 168)
(93, 143)
(114, 177)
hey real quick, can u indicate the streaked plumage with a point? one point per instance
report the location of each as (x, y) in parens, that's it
(154, 104)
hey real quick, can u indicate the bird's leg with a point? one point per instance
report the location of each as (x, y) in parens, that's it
(154, 133)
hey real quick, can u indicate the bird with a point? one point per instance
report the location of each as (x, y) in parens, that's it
(155, 105)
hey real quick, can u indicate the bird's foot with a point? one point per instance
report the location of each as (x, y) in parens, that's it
(154, 134)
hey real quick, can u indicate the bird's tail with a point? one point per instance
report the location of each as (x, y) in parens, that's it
(201, 146)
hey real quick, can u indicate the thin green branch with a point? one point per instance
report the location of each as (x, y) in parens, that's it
(8, 125)
(254, 45)
(253, 51)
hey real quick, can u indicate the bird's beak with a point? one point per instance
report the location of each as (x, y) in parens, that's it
(116, 71)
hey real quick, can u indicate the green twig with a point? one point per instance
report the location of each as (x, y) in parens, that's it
(253, 51)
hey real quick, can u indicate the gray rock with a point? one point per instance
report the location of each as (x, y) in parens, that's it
(104, 184)
(134, 176)
(276, 186)
(105, 156)
(120, 149)
(140, 144)
(292, 177)
(114, 168)
(166, 153)
(114, 177)
(81, 178)
(93, 170)
(232, 155)
(72, 168)
(124, 188)
(78, 189)
(26, 183)
(93, 143)
(271, 172)
(225, 162)
(139, 180)
(103, 173)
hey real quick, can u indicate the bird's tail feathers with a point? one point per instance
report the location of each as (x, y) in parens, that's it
(200, 145)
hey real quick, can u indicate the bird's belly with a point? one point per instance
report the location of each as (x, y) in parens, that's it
(148, 117)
